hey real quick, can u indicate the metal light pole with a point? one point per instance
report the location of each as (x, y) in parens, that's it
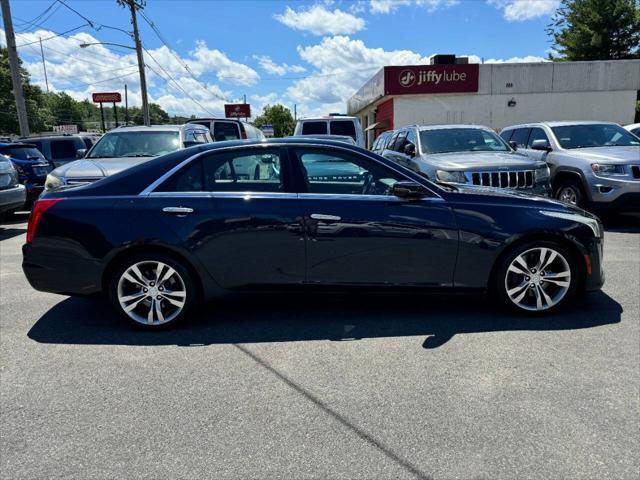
(14, 64)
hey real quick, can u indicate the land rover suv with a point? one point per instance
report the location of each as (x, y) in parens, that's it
(466, 154)
(593, 164)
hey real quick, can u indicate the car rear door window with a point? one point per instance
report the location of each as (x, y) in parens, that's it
(255, 170)
(63, 149)
(225, 131)
(343, 127)
(314, 128)
(536, 134)
(506, 135)
(520, 136)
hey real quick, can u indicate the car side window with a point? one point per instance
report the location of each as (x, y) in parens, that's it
(225, 131)
(412, 138)
(536, 134)
(506, 135)
(520, 136)
(400, 142)
(343, 173)
(255, 170)
(63, 149)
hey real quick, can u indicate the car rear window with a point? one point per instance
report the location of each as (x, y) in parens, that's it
(63, 149)
(22, 153)
(225, 131)
(314, 128)
(343, 127)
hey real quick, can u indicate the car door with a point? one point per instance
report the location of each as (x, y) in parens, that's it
(247, 231)
(536, 133)
(357, 232)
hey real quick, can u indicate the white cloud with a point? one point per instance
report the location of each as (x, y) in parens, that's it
(318, 20)
(525, 59)
(342, 65)
(521, 10)
(388, 6)
(272, 68)
(82, 71)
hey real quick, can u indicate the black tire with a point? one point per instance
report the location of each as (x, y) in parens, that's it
(182, 278)
(500, 280)
(572, 188)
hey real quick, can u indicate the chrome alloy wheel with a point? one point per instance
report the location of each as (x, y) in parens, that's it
(538, 279)
(568, 195)
(151, 293)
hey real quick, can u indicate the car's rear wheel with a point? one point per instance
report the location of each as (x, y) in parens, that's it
(152, 291)
(570, 191)
(536, 278)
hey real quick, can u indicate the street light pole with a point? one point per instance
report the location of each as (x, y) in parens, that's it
(14, 65)
(143, 78)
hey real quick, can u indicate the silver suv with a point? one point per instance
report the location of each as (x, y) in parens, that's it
(125, 147)
(466, 154)
(593, 164)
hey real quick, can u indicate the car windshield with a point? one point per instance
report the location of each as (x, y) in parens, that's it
(23, 153)
(446, 140)
(136, 144)
(593, 135)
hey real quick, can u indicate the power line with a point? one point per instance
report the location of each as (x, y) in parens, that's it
(184, 65)
(177, 85)
(77, 13)
(39, 20)
(63, 34)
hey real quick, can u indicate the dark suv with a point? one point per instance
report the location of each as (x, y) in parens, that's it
(31, 166)
(58, 149)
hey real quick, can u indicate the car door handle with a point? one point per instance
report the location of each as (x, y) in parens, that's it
(326, 218)
(179, 210)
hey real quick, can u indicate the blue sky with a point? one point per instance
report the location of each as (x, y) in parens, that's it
(311, 53)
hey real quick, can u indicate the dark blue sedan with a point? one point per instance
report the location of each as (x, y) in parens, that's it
(31, 165)
(162, 236)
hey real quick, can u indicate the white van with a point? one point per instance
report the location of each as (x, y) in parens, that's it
(229, 129)
(331, 125)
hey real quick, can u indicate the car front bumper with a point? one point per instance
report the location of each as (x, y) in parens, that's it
(12, 198)
(614, 194)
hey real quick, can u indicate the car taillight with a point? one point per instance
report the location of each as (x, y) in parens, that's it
(38, 210)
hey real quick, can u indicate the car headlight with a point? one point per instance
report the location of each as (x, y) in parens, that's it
(53, 182)
(591, 222)
(541, 174)
(451, 177)
(605, 169)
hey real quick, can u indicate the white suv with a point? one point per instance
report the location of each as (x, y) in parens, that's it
(331, 125)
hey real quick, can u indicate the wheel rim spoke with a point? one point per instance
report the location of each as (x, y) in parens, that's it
(542, 286)
(144, 299)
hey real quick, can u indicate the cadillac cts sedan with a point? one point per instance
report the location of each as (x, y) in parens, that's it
(160, 237)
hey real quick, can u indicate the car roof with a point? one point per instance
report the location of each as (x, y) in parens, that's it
(565, 123)
(327, 117)
(450, 126)
(157, 128)
(216, 119)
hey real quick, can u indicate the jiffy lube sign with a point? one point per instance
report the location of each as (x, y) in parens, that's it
(412, 79)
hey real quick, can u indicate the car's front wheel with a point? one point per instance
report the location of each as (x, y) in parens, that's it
(537, 277)
(152, 291)
(570, 191)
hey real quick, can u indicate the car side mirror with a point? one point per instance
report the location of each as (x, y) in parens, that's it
(80, 153)
(408, 189)
(541, 144)
(513, 145)
(410, 149)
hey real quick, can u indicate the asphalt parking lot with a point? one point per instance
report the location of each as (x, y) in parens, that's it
(358, 387)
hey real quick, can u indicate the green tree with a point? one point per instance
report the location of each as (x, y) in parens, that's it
(280, 117)
(596, 30)
(39, 116)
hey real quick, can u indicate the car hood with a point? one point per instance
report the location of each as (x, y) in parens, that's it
(98, 167)
(607, 154)
(480, 161)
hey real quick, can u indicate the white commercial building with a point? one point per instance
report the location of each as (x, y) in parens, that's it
(497, 95)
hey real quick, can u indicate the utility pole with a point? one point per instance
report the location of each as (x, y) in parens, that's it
(14, 64)
(44, 66)
(126, 106)
(143, 78)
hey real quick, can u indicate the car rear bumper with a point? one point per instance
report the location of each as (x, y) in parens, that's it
(12, 198)
(50, 270)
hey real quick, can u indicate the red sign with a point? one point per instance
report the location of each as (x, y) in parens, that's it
(106, 97)
(237, 110)
(413, 79)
